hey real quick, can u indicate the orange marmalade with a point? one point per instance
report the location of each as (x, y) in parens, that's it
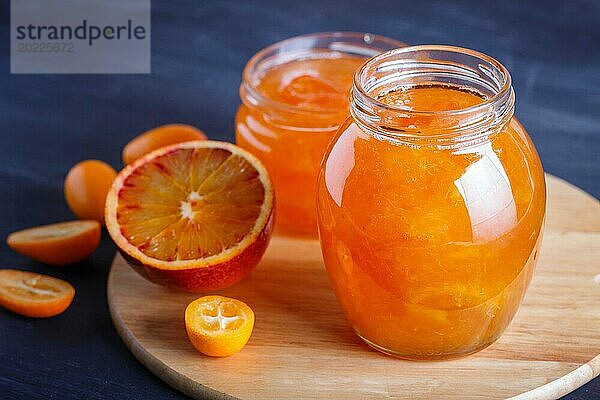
(431, 201)
(295, 96)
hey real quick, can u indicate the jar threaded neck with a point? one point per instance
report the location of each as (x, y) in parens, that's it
(431, 65)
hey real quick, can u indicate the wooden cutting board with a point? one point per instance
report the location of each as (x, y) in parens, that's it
(302, 347)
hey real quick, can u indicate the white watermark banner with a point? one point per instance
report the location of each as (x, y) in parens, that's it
(79, 36)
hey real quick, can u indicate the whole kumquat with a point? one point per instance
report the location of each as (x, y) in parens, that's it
(158, 137)
(86, 186)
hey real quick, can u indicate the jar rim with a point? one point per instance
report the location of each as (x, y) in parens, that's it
(502, 93)
(253, 63)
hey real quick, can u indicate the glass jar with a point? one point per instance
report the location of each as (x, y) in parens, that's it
(294, 96)
(431, 202)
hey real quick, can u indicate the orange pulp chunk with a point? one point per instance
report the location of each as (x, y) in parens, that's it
(291, 144)
(430, 250)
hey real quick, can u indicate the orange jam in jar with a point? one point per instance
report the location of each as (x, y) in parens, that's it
(294, 97)
(431, 202)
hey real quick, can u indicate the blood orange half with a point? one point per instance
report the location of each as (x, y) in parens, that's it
(196, 215)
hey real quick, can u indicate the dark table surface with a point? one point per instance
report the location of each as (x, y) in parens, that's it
(50, 122)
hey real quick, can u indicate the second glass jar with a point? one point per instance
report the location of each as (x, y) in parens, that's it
(294, 97)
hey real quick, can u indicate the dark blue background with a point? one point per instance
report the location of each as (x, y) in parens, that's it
(49, 122)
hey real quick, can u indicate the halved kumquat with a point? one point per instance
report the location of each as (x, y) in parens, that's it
(57, 244)
(34, 295)
(218, 326)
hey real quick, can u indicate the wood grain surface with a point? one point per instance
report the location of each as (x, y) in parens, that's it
(302, 346)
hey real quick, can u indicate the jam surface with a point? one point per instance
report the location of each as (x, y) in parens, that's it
(431, 98)
(291, 141)
(320, 84)
(430, 249)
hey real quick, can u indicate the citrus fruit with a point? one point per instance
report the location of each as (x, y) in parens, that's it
(196, 215)
(218, 326)
(158, 137)
(86, 186)
(34, 295)
(57, 244)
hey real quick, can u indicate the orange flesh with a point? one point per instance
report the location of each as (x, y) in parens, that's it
(190, 203)
(292, 145)
(213, 317)
(430, 251)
